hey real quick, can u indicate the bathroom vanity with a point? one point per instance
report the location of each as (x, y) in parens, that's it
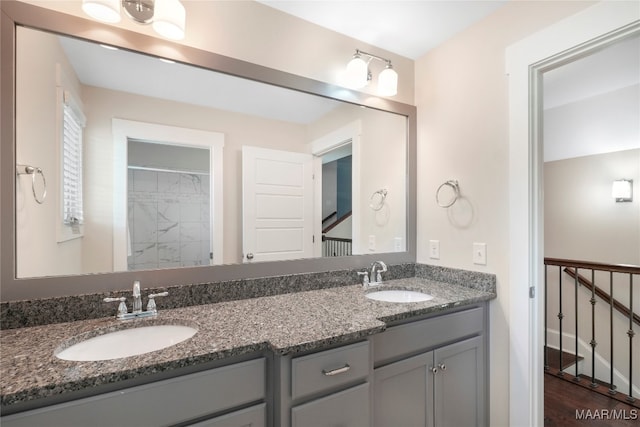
(315, 358)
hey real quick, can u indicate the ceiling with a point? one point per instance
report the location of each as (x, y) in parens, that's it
(407, 28)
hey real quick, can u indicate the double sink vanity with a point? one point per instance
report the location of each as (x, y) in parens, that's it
(295, 342)
(317, 357)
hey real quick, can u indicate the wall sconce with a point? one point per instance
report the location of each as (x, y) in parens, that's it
(622, 190)
(358, 74)
(166, 16)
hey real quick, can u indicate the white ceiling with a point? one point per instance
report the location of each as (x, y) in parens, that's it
(615, 67)
(407, 28)
(144, 75)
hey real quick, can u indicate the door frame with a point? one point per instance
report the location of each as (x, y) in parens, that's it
(574, 37)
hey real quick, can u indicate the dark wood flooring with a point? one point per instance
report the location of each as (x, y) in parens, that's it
(567, 405)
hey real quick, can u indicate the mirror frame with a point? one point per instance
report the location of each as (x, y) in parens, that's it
(15, 13)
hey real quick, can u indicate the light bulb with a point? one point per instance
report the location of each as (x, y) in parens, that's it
(102, 10)
(169, 19)
(388, 82)
(357, 73)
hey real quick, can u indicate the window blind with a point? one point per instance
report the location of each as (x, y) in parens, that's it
(73, 122)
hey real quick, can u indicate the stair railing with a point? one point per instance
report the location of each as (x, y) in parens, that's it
(572, 267)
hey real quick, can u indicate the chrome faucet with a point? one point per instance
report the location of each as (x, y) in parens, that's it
(136, 312)
(377, 268)
(376, 276)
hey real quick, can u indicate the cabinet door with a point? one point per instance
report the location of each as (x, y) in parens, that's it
(459, 384)
(348, 408)
(250, 417)
(401, 392)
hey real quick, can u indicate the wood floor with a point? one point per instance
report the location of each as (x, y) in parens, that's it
(567, 405)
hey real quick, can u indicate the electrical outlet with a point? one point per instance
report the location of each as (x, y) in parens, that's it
(480, 253)
(372, 242)
(397, 244)
(434, 249)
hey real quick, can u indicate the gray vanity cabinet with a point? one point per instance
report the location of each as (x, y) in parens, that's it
(442, 385)
(326, 388)
(193, 399)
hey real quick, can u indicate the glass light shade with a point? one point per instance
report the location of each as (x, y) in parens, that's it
(169, 19)
(388, 82)
(102, 10)
(622, 190)
(357, 73)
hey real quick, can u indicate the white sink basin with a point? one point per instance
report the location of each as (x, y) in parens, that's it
(127, 342)
(398, 295)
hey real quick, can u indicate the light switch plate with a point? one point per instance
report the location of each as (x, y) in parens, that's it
(434, 249)
(372, 242)
(480, 253)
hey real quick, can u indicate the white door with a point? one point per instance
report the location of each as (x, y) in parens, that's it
(277, 205)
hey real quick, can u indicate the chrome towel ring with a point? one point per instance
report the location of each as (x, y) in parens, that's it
(456, 193)
(376, 201)
(33, 171)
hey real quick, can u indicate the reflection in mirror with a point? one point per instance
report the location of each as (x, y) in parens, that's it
(120, 92)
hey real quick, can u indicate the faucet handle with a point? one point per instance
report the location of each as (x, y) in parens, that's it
(365, 278)
(151, 304)
(122, 307)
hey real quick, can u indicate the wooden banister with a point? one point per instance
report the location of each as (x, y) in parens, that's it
(338, 221)
(603, 294)
(616, 268)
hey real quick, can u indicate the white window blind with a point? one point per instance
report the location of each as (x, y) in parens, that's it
(73, 122)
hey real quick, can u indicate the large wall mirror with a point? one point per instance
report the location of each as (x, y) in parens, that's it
(174, 165)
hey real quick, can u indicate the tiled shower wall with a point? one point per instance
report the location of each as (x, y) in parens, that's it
(169, 219)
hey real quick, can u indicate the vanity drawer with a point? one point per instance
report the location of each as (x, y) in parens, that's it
(327, 369)
(413, 337)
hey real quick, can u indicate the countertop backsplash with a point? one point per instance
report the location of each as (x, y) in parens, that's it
(18, 314)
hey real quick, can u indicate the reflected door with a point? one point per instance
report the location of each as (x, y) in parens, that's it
(277, 194)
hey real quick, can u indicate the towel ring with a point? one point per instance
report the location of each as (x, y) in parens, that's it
(456, 193)
(33, 171)
(377, 205)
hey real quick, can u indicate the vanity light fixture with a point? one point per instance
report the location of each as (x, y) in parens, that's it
(358, 74)
(167, 17)
(622, 190)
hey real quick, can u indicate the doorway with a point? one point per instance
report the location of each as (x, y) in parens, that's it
(337, 205)
(172, 138)
(168, 206)
(526, 60)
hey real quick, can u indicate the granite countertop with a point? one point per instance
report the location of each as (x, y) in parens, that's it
(285, 324)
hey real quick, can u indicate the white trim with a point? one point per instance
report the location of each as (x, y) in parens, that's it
(349, 133)
(154, 133)
(524, 66)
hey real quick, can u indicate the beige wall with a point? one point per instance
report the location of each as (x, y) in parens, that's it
(382, 164)
(256, 33)
(582, 220)
(37, 225)
(462, 100)
(239, 129)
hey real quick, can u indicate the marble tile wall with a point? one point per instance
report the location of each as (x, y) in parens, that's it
(169, 219)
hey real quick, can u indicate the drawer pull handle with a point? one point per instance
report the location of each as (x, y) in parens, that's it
(337, 371)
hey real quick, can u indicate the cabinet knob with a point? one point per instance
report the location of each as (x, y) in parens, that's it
(434, 370)
(249, 256)
(442, 367)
